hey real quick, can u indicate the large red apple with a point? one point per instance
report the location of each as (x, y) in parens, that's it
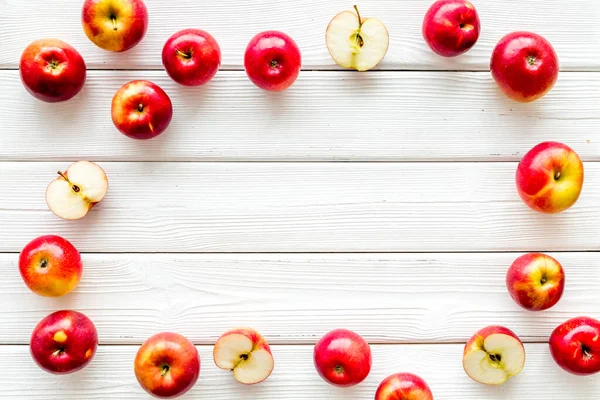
(342, 358)
(272, 61)
(50, 266)
(451, 27)
(525, 66)
(141, 110)
(535, 281)
(64, 342)
(550, 177)
(191, 57)
(115, 25)
(52, 70)
(575, 346)
(167, 365)
(403, 386)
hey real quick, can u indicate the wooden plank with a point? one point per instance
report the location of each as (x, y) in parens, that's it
(571, 27)
(296, 298)
(110, 374)
(385, 116)
(300, 207)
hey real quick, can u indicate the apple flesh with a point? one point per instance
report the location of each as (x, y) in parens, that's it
(272, 61)
(246, 354)
(64, 342)
(493, 355)
(167, 365)
(52, 70)
(356, 42)
(191, 57)
(550, 177)
(50, 266)
(575, 347)
(525, 66)
(141, 110)
(535, 281)
(115, 25)
(451, 27)
(342, 358)
(403, 386)
(78, 189)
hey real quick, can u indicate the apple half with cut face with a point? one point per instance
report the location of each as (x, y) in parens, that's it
(246, 354)
(74, 193)
(356, 42)
(493, 355)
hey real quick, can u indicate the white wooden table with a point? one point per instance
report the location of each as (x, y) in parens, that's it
(240, 215)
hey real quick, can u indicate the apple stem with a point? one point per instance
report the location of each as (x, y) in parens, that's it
(359, 18)
(63, 176)
(113, 18)
(182, 54)
(165, 370)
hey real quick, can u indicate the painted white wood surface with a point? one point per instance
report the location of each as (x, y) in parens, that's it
(407, 116)
(571, 26)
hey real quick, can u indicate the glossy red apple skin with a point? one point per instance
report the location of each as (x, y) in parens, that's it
(50, 266)
(272, 61)
(167, 365)
(451, 27)
(342, 358)
(403, 386)
(191, 57)
(525, 66)
(575, 347)
(64, 342)
(550, 177)
(52, 70)
(129, 27)
(141, 110)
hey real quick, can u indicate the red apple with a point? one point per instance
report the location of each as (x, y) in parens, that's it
(451, 27)
(64, 342)
(191, 57)
(342, 358)
(167, 365)
(535, 281)
(493, 355)
(115, 25)
(575, 347)
(550, 177)
(403, 386)
(141, 110)
(272, 61)
(51, 70)
(50, 266)
(525, 66)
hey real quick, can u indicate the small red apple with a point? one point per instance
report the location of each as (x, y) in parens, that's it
(342, 358)
(50, 266)
(451, 27)
(167, 365)
(535, 281)
(403, 386)
(115, 25)
(272, 61)
(52, 70)
(64, 342)
(525, 66)
(141, 110)
(550, 177)
(575, 346)
(191, 57)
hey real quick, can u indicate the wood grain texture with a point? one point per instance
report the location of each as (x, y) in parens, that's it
(296, 298)
(110, 375)
(571, 27)
(300, 207)
(408, 116)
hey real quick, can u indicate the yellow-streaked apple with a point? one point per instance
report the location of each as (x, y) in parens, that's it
(403, 386)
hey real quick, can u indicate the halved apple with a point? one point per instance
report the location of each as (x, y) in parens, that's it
(77, 190)
(358, 43)
(493, 355)
(246, 354)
